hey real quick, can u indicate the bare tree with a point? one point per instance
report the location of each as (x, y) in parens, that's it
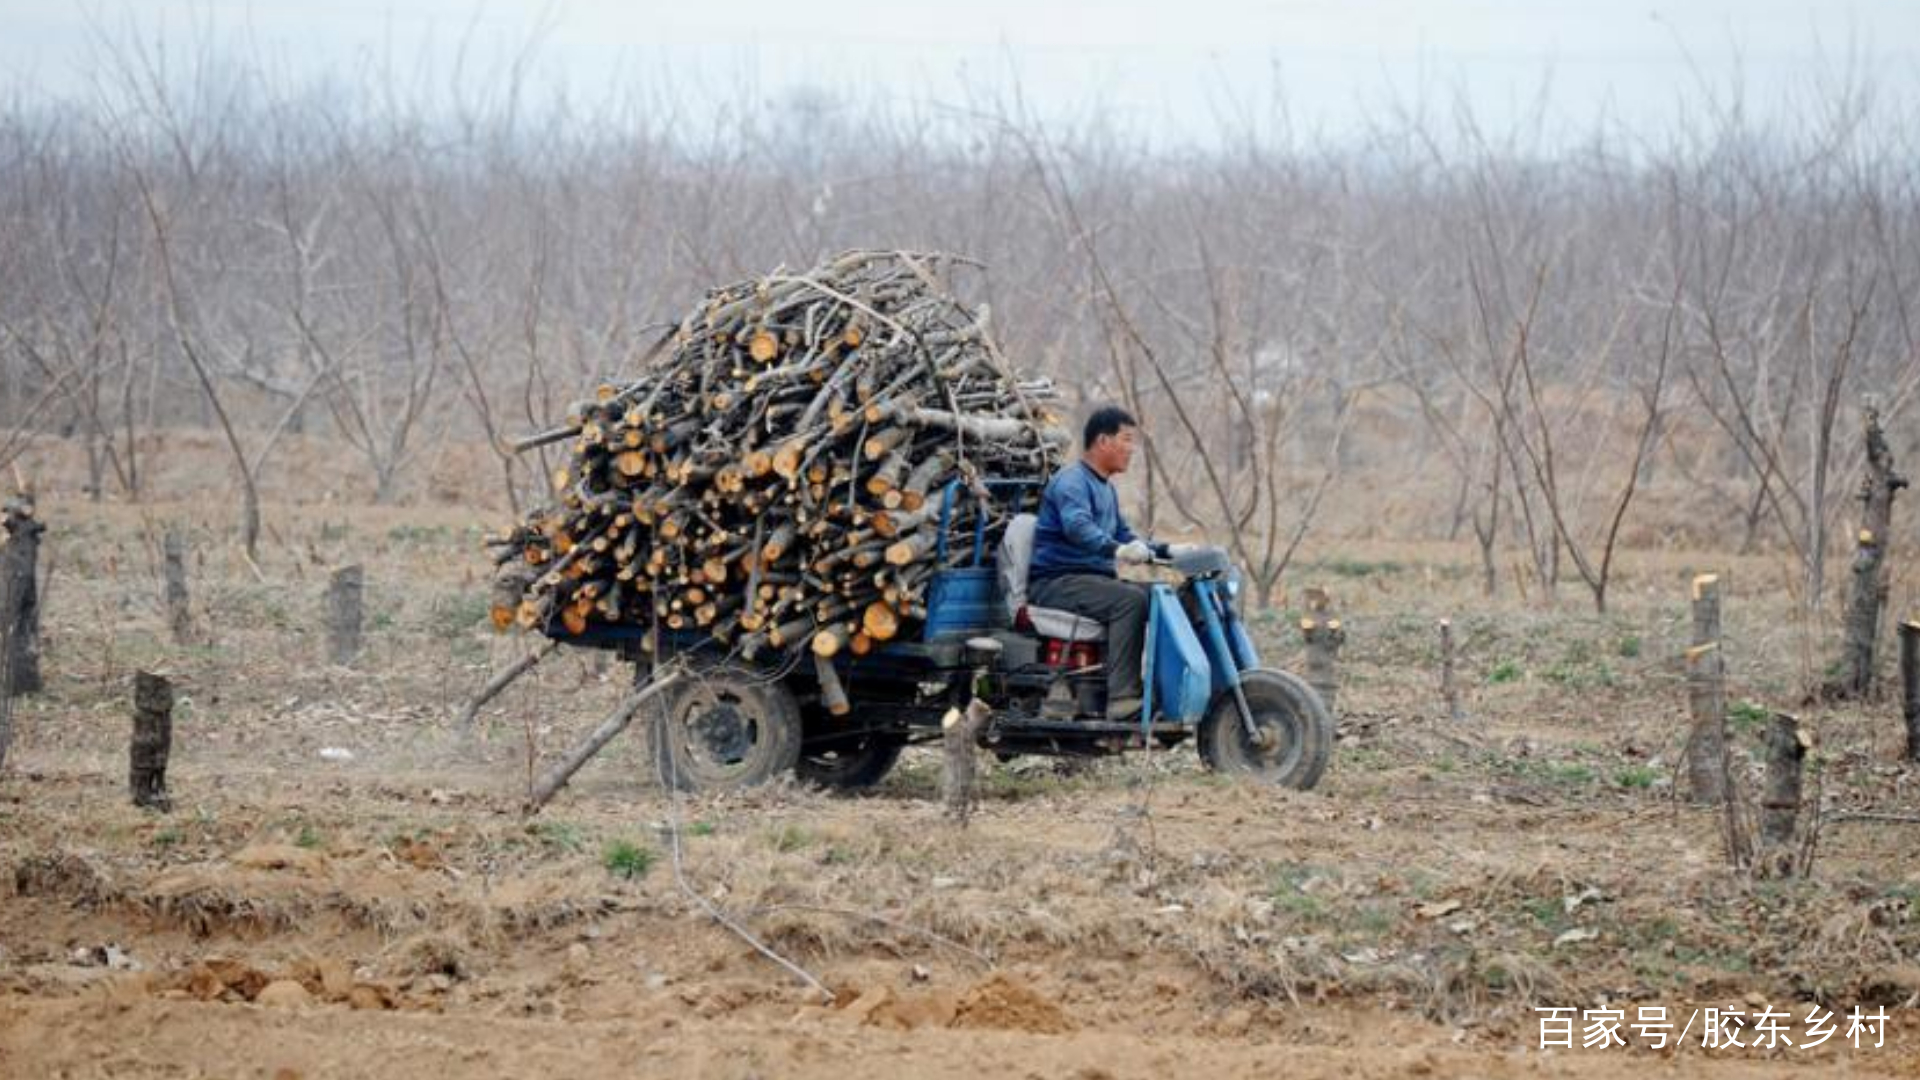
(1593, 556)
(1440, 331)
(372, 331)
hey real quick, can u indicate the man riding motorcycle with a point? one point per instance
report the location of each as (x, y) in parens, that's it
(1079, 537)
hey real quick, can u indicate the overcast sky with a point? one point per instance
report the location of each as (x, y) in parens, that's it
(1167, 67)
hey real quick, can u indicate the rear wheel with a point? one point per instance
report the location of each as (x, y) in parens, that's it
(852, 764)
(1293, 736)
(724, 729)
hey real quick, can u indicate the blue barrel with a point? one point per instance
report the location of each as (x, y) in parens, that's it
(960, 602)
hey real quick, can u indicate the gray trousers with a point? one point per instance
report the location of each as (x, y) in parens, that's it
(1121, 606)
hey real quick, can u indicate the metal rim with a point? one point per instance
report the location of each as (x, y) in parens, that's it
(1282, 726)
(716, 731)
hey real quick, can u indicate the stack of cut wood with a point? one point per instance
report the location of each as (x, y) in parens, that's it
(773, 477)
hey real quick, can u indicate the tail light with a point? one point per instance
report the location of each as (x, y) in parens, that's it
(1072, 655)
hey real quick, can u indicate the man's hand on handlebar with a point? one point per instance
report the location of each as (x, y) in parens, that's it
(1154, 553)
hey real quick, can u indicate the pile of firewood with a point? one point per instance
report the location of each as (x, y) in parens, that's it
(773, 476)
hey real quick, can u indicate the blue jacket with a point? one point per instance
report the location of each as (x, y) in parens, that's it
(1079, 526)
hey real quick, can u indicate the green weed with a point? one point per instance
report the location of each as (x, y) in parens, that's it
(1637, 777)
(627, 860)
(559, 835)
(1748, 715)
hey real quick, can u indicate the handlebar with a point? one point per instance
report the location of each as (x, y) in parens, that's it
(1197, 562)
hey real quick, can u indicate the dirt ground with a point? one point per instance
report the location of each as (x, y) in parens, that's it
(347, 888)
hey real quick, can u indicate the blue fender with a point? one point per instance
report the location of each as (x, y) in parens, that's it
(1179, 677)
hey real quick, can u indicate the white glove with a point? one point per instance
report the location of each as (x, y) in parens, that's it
(1134, 551)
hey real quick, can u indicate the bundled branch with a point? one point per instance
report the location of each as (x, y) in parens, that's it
(774, 479)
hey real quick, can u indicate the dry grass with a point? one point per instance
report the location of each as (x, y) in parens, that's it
(1531, 854)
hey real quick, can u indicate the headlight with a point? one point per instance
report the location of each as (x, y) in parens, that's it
(1233, 586)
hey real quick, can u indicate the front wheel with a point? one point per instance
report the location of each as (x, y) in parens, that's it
(724, 729)
(1293, 736)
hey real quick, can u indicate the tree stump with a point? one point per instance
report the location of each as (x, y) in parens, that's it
(1324, 636)
(1707, 697)
(1786, 757)
(1910, 685)
(1449, 685)
(20, 598)
(960, 737)
(152, 741)
(1867, 594)
(173, 563)
(344, 614)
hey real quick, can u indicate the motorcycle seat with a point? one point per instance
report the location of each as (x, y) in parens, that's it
(1015, 555)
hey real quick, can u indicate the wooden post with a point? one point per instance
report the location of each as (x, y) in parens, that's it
(1910, 685)
(1786, 756)
(344, 592)
(20, 598)
(173, 560)
(960, 736)
(1861, 627)
(1324, 637)
(1707, 697)
(1449, 687)
(152, 741)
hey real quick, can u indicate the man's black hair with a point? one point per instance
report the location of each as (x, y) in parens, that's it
(1106, 420)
